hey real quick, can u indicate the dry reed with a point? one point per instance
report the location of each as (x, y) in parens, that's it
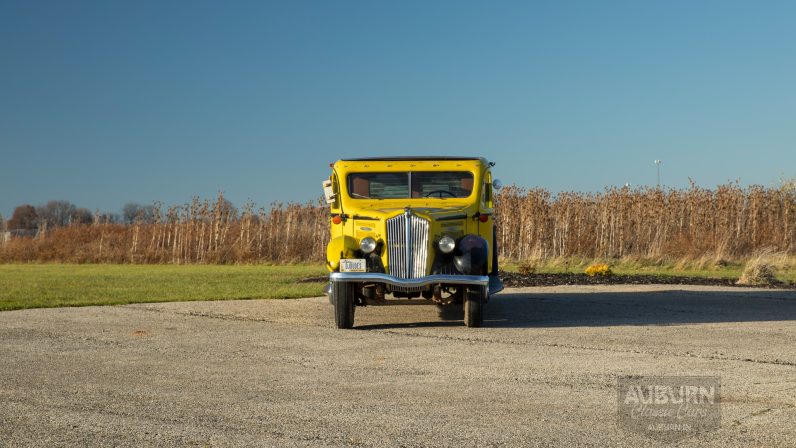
(729, 222)
(198, 232)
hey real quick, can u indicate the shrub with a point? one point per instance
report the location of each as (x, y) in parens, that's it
(600, 269)
(527, 268)
(758, 273)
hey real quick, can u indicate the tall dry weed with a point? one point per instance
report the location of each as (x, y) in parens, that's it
(729, 222)
(705, 225)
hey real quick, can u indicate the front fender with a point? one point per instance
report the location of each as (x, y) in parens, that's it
(340, 247)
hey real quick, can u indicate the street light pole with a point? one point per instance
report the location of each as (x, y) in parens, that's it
(658, 168)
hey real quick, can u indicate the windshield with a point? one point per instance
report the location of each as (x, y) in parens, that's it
(415, 184)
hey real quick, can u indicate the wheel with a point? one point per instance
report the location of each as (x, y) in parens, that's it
(458, 297)
(474, 298)
(343, 295)
(494, 253)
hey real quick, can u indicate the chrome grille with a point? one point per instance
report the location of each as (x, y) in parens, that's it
(407, 245)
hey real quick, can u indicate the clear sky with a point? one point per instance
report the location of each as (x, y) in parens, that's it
(103, 103)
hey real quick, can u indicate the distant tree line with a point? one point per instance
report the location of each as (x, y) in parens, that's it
(55, 214)
(52, 214)
(28, 219)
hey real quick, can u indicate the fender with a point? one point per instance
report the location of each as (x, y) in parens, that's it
(340, 247)
(471, 255)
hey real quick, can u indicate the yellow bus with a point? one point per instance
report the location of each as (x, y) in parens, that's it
(410, 227)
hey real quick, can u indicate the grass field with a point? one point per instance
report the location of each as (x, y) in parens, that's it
(55, 285)
(785, 268)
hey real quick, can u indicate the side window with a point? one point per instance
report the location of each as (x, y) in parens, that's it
(336, 189)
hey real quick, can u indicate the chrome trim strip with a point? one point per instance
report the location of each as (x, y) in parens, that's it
(395, 245)
(419, 246)
(376, 277)
(408, 241)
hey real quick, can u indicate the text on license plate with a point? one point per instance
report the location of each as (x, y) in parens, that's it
(352, 265)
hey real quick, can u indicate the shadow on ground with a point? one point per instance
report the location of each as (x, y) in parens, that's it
(672, 307)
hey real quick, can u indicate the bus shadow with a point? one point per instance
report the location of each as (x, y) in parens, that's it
(667, 307)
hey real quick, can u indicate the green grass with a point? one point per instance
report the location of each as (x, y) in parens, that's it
(56, 285)
(730, 270)
(622, 267)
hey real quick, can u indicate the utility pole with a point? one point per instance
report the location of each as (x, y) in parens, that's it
(658, 168)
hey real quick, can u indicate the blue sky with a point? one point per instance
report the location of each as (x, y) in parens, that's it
(102, 103)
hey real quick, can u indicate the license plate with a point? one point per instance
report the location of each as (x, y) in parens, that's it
(352, 265)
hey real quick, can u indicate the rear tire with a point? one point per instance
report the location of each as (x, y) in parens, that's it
(343, 296)
(474, 298)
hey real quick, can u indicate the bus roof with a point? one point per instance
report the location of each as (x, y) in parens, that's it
(409, 158)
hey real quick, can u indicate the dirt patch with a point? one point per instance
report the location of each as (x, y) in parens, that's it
(517, 280)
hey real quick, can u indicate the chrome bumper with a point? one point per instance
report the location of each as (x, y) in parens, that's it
(376, 277)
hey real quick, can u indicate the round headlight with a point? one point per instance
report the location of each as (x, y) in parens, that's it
(367, 245)
(446, 244)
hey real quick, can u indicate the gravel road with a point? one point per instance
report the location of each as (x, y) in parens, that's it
(276, 373)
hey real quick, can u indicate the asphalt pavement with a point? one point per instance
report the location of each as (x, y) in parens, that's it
(542, 372)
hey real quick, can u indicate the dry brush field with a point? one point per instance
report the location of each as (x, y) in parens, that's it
(728, 222)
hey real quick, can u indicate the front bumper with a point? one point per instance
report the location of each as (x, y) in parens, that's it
(375, 277)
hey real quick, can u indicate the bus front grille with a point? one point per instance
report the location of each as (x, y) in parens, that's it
(407, 246)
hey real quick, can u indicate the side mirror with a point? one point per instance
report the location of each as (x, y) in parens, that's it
(328, 192)
(497, 184)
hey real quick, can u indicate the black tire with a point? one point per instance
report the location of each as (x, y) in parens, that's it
(474, 306)
(494, 252)
(343, 295)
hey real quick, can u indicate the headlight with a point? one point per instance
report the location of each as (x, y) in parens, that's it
(446, 244)
(367, 245)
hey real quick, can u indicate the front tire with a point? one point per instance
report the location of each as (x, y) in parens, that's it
(343, 296)
(494, 253)
(474, 299)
